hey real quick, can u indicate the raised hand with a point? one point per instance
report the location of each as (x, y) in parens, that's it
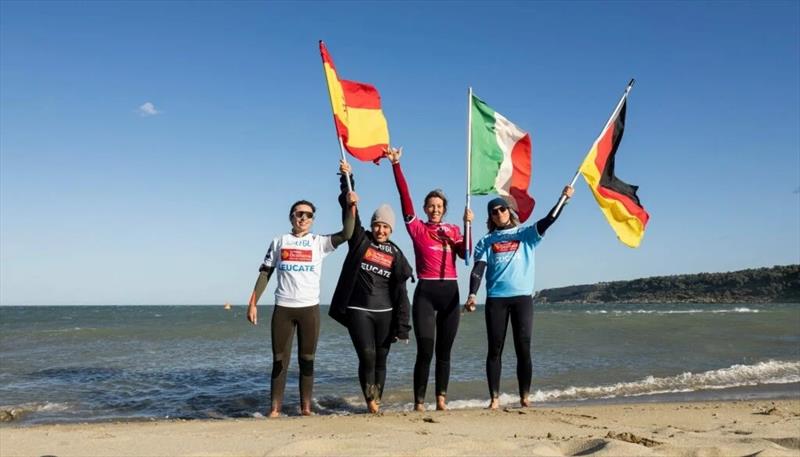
(345, 167)
(393, 154)
(352, 198)
(468, 216)
(568, 191)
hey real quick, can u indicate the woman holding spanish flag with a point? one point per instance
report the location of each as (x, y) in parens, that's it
(371, 299)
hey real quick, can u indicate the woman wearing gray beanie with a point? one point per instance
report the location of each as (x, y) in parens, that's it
(371, 299)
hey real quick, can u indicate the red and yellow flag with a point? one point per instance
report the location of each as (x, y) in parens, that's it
(617, 199)
(356, 112)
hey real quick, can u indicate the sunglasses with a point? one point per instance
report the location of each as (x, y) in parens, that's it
(303, 214)
(499, 210)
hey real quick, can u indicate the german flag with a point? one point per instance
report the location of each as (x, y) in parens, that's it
(356, 112)
(617, 199)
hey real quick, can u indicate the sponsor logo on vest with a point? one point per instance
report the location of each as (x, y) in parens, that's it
(505, 246)
(374, 256)
(375, 269)
(386, 247)
(301, 243)
(296, 255)
(295, 267)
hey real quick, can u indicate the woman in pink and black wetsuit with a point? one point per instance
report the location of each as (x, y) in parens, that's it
(435, 313)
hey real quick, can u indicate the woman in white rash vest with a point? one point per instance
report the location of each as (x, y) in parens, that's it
(297, 257)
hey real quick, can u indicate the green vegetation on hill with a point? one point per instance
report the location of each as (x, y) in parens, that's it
(779, 284)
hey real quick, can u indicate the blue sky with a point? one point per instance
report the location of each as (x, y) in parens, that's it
(150, 150)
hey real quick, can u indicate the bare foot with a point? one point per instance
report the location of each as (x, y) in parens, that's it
(305, 409)
(494, 404)
(440, 403)
(419, 407)
(373, 406)
(275, 413)
(524, 402)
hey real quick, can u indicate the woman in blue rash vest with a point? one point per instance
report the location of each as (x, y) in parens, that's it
(371, 299)
(297, 256)
(506, 253)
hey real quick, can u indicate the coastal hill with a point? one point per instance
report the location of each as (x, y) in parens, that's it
(779, 284)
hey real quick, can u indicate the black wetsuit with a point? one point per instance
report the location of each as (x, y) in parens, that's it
(285, 319)
(371, 300)
(498, 311)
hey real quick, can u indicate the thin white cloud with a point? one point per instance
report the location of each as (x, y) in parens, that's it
(148, 109)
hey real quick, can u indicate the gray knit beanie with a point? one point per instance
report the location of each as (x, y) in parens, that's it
(383, 214)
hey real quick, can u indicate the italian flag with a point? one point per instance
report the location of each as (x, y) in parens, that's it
(500, 158)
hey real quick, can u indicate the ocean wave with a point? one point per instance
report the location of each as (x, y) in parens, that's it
(771, 372)
(70, 330)
(673, 311)
(10, 413)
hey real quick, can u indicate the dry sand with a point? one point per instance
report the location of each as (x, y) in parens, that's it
(706, 429)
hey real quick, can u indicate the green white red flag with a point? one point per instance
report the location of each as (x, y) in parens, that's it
(500, 158)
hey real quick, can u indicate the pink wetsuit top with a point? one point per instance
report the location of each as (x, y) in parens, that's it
(435, 245)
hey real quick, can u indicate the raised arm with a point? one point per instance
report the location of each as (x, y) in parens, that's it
(393, 154)
(348, 223)
(349, 211)
(544, 223)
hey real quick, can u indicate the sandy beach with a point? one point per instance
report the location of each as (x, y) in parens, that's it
(735, 428)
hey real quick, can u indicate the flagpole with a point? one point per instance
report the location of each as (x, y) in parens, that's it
(333, 113)
(563, 198)
(467, 225)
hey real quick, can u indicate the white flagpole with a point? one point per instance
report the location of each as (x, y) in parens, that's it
(333, 112)
(467, 240)
(563, 199)
(344, 159)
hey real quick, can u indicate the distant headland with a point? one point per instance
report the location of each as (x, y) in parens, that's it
(778, 284)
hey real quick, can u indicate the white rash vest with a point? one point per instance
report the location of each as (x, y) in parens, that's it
(298, 266)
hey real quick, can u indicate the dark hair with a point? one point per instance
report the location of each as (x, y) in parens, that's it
(513, 220)
(437, 193)
(302, 202)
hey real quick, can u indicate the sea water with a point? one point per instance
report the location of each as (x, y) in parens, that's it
(97, 363)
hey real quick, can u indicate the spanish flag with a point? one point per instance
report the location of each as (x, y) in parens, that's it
(617, 199)
(356, 112)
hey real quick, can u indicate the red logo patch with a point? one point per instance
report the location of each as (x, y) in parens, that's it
(296, 255)
(378, 258)
(505, 246)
